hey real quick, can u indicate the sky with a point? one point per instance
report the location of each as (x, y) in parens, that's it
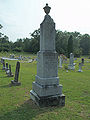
(19, 18)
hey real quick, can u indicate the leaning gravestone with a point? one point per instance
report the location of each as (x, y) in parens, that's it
(15, 81)
(60, 61)
(71, 65)
(3, 62)
(9, 73)
(80, 67)
(46, 89)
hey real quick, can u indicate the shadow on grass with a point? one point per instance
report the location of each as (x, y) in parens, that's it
(3, 76)
(7, 86)
(2, 70)
(27, 111)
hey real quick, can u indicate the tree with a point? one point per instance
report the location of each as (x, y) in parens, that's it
(70, 45)
(61, 42)
(85, 44)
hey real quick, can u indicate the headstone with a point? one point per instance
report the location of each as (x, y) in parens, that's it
(12, 56)
(20, 57)
(6, 68)
(30, 61)
(1, 61)
(46, 89)
(8, 72)
(82, 61)
(15, 81)
(71, 65)
(3, 64)
(75, 58)
(60, 61)
(80, 67)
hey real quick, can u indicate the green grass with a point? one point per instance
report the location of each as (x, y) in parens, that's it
(15, 102)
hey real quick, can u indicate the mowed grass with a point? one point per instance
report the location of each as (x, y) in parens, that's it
(15, 102)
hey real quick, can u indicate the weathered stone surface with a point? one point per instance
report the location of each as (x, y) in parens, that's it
(47, 34)
(17, 72)
(60, 61)
(48, 100)
(71, 65)
(80, 67)
(6, 68)
(46, 90)
(47, 65)
(15, 81)
(3, 62)
(9, 73)
(47, 81)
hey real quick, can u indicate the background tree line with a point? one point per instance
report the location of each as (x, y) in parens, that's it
(66, 42)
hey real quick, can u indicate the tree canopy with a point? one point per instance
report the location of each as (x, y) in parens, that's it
(66, 42)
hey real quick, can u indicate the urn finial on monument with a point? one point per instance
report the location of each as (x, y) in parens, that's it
(47, 9)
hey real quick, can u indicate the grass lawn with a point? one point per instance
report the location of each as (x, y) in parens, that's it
(15, 102)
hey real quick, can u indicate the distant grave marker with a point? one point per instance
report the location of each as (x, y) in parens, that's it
(80, 67)
(15, 81)
(82, 61)
(60, 61)
(71, 61)
(6, 68)
(3, 62)
(9, 73)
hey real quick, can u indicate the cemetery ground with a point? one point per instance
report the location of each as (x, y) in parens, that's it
(15, 102)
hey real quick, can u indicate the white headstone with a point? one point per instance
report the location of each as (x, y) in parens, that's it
(60, 61)
(80, 67)
(71, 60)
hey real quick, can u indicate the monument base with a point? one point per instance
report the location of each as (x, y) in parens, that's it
(54, 100)
(3, 68)
(71, 67)
(60, 66)
(10, 75)
(80, 71)
(15, 83)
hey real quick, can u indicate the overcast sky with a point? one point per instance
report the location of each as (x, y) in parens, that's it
(21, 17)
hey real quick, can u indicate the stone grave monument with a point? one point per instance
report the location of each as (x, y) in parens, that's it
(80, 67)
(15, 81)
(60, 61)
(3, 62)
(46, 90)
(8, 72)
(71, 65)
(82, 61)
(6, 68)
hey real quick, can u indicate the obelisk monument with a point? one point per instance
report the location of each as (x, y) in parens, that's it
(46, 90)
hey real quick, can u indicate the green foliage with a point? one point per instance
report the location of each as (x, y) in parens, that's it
(65, 44)
(70, 45)
(66, 67)
(85, 44)
(17, 49)
(61, 42)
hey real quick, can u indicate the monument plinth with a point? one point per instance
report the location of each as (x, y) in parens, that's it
(46, 90)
